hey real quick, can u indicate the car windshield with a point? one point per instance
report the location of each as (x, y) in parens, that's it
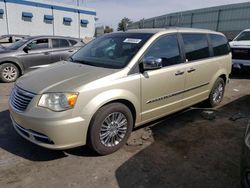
(243, 36)
(112, 50)
(17, 44)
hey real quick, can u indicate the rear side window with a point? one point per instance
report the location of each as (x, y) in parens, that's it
(73, 42)
(219, 44)
(196, 46)
(60, 43)
(166, 48)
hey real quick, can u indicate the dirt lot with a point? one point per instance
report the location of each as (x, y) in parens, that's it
(183, 150)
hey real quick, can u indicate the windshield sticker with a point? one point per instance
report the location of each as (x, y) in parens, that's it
(133, 41)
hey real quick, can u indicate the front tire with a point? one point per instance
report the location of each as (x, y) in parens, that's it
(217, 93)
(110, 128)
(9, 72)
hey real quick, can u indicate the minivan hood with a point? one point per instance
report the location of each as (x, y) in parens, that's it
(61, 77)
(243, 43)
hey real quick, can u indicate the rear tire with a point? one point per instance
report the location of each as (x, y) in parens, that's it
(217, 93)
(9, 72)
(110, 128)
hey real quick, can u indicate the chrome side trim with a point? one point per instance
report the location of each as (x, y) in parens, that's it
(175, 93)
(39, 66)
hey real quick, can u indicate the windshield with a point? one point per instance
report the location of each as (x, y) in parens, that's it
(112, 50)
(17, 44)
(243, 36)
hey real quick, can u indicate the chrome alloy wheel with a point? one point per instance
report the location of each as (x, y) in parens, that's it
(113, 129)
(9, 73)
(218, 93)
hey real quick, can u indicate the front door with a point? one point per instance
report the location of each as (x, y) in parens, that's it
(38, 55)
(162, 89)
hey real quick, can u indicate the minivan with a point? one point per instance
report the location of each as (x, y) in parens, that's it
(117, 82)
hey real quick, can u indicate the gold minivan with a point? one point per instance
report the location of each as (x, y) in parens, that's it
(117, 82)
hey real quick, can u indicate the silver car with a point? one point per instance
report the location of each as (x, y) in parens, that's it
(34, 52)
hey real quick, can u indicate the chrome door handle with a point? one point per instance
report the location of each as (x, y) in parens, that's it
(191, 70)
(179, 73)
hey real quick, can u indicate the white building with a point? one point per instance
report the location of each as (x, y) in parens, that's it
(27, 17)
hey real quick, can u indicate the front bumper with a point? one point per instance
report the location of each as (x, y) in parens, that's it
(60, 132)
(239, 63)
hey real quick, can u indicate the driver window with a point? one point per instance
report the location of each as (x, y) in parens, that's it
(39, 44)
(167, 49)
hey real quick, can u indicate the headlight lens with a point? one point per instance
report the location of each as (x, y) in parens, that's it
(58, 101)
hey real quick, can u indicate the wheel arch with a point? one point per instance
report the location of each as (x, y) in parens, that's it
(222, 73)
(128, 104)
(17, 64)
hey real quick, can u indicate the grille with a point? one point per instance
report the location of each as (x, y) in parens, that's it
(241, 53)
(20, 99)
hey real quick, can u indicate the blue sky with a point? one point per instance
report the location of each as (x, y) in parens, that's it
(110, 12)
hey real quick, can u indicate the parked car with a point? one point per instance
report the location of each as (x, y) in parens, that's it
(35, 52)
(241, 50)
(7, 40)
(245, 166)
(98, 97)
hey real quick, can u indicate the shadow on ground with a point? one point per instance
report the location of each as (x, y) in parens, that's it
(15, 144)
(190, 151)
(240, 74)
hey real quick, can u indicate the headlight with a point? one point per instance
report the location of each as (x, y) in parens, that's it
(58, 101)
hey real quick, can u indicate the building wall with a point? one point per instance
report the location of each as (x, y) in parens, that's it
(3, 23)
(38, 26)
(63, 29)
(18, 25)
(88, 31)
(229, 19)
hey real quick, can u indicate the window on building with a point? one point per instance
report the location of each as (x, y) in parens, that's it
(196, 46)
(67, 21)
(219, 44)
(39, 44)
(1, 13)
(60, 43)
(167, 49)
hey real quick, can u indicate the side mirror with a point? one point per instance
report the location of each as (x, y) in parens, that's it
(151, 63)
(26, 49)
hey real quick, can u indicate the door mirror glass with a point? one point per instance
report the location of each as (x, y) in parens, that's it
(26, 49)
(151, 63)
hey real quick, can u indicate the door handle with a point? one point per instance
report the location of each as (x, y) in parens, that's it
(46, 53)
(71, 51)
(179, 73)
(191, 70)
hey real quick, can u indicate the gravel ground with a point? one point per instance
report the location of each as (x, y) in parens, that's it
(191, 148)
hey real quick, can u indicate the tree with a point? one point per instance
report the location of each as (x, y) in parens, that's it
(123, 24)
(108, 29)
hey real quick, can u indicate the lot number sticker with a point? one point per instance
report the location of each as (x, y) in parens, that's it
(133, 41)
